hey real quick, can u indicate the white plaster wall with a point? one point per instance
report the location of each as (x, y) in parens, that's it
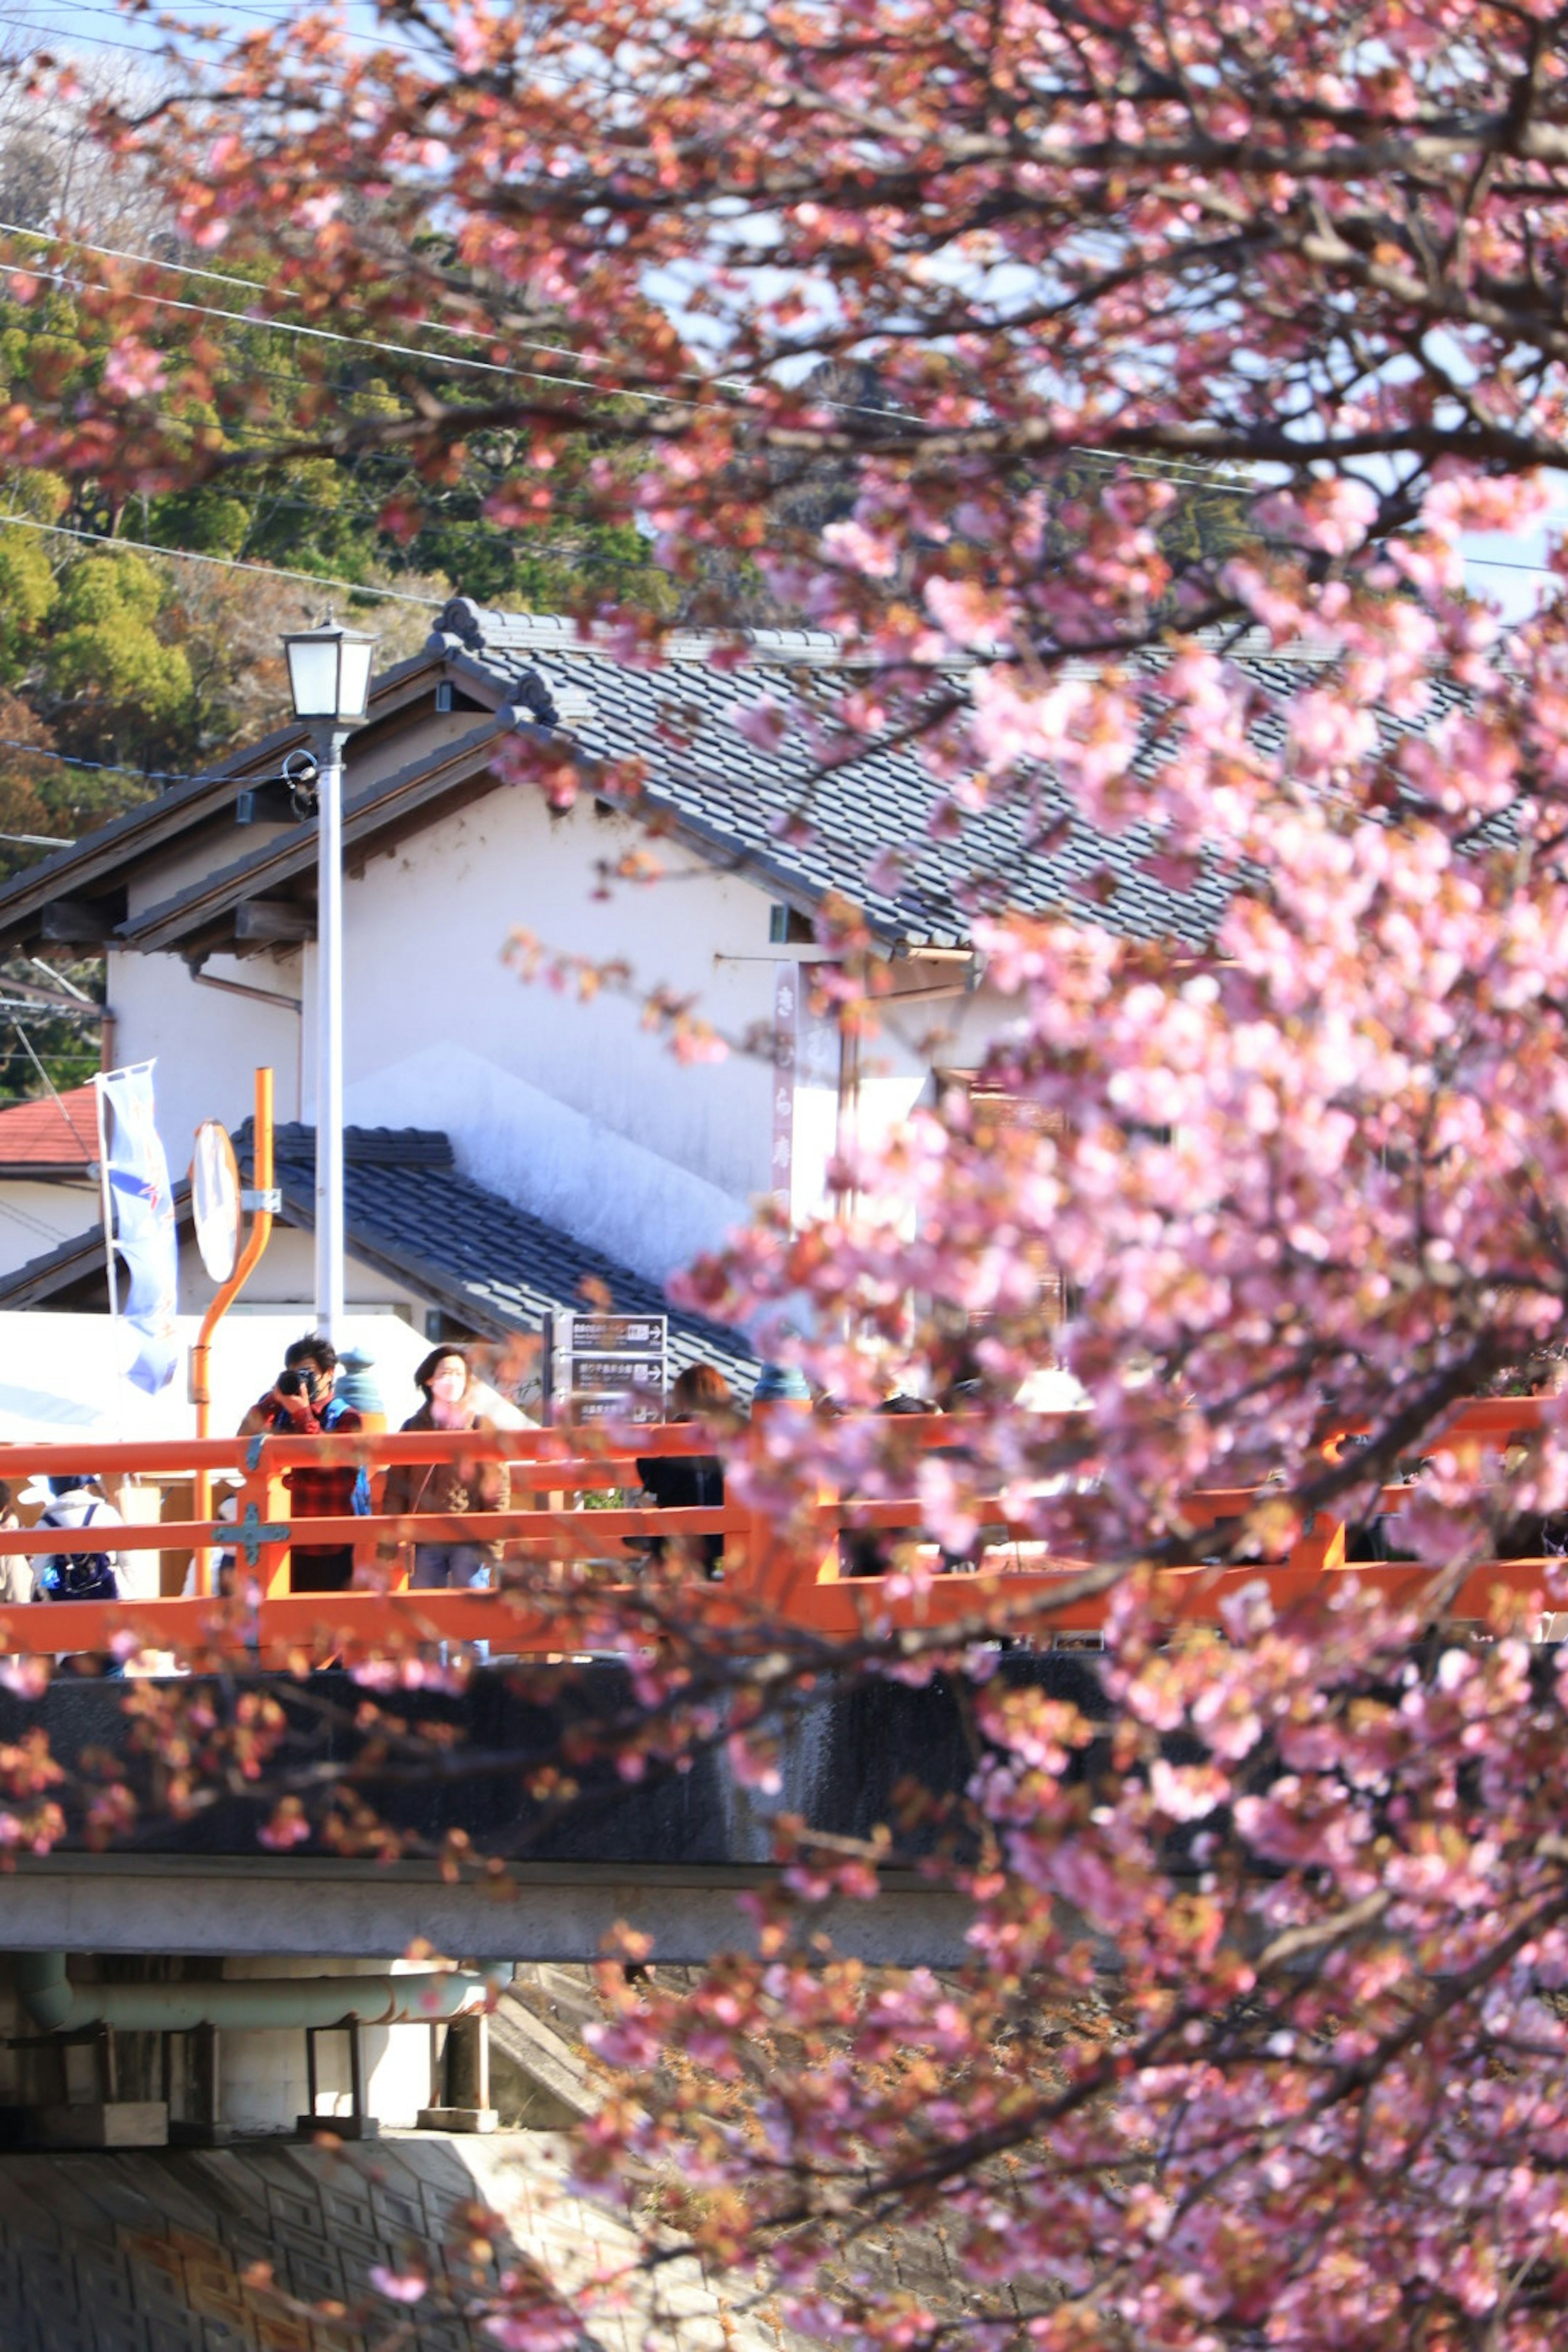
(815, 1136)
(911, 1040)
(261, 2075)
(558, 1163)
(970, 1023)
(286, 1276)
(37, 1216)
(208, 1045)
(426, 933)
(559, 1099)
(425, 985)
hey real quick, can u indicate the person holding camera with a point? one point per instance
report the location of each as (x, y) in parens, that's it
(300, 1403)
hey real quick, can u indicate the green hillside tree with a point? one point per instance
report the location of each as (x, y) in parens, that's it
(111, 680)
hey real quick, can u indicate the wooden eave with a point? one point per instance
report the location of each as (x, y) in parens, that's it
(95, 872)
(199, 919)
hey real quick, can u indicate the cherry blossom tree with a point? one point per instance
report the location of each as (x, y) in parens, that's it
(1263, 2039)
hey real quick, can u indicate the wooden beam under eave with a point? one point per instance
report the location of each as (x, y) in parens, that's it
(262, 919)
(72, 922)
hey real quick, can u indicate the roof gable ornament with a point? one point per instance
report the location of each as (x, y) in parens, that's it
(530, 695)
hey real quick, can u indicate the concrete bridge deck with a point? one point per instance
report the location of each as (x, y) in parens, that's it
(668, 1855)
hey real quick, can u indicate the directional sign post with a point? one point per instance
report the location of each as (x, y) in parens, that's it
(605, 1367)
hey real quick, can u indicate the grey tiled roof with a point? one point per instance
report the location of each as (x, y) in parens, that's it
(408, 1208)
(739, 804)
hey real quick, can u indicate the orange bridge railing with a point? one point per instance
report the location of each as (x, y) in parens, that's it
(772, 1574)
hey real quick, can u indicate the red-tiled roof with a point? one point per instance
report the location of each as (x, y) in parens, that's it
(49, 1134)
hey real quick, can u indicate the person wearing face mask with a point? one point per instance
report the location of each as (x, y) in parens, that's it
(300, 1403)
(441, 1488)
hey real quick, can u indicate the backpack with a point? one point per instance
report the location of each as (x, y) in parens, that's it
(78, 1575)
(360, 1500)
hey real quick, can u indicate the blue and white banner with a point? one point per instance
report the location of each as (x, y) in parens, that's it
(142, 1202)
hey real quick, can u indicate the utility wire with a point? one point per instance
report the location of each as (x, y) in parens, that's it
(91, 41)
(331, 335)
(1174, 469)
(397, 351)
(58, 979)
(55, 1012)
(253, 286)
(226, 562)
(98, 768)
(282, 23)
(27, 1045)
(88, 41)
(232, 8)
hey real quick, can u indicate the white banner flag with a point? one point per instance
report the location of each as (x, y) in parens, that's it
(141, 1198)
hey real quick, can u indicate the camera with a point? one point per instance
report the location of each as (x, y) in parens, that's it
(292, 1383)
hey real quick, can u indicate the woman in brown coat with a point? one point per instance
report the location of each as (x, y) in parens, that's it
(441, 1488)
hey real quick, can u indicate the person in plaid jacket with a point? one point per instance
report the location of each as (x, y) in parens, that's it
(300, 1403)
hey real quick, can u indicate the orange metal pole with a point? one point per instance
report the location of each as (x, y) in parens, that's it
(255, 1242)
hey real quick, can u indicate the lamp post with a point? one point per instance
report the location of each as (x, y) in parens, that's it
(329, 677)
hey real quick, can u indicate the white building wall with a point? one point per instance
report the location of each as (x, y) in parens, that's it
(263, 2085)
(560, 1097)
(207, 1044)
(941, 1032)
(224, 842)
(427, 930)
(37, 1215)
(287, 1277)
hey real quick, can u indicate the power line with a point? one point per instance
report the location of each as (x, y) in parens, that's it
(1172, 469)
(90, 41)
(228, 278)
(99, 767)
(331, 334)
(1497, 564)
(404, 351)
(55, 1012)
(232, 8)
(374, 42)
(226, 562)
(58, 979)
(254, 286)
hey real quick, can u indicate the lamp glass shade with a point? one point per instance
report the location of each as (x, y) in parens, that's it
(329, 672)
(354, 676)
(313, 675)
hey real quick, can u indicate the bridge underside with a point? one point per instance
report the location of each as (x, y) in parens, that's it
(269, 1907)
(667, 1855)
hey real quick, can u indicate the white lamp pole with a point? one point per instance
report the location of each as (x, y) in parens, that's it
(329, 677)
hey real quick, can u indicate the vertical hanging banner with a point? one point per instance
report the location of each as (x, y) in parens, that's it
(786, 993)
(138, 1189)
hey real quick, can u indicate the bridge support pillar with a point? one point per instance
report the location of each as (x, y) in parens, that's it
(104, 2119)
(462, 2103)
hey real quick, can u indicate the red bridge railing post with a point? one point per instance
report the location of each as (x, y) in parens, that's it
(262, 1530)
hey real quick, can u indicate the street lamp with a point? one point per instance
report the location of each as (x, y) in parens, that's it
(329, 677)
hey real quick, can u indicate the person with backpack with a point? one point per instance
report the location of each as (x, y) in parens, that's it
(300, 1403)
(89, 1571)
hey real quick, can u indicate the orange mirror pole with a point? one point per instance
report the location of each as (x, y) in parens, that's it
(255, 1242)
